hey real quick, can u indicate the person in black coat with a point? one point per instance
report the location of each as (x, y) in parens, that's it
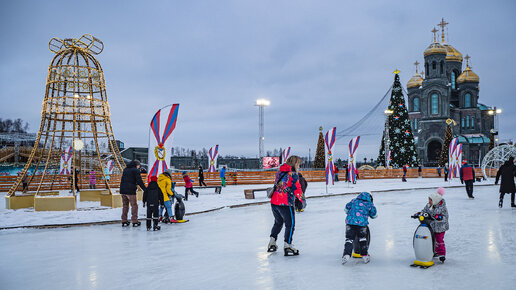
(507, 172)
(130, 178)
(153, 197)
(201, 176)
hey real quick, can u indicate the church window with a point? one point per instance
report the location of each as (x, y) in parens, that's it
(442, 67)
(467, 100)
(415, 124)
(434, 66)
(415, 105)
(453, 80)
(435, 104)
(426, 68)
(472, 123)
(462, 123)
(467, 121)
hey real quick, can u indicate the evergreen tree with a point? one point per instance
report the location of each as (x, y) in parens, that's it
(319, 152)
(448, 136)
(401, 139)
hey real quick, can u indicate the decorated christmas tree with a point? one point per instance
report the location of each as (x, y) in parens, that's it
(319, 152)
(448, 136)
(401, 139)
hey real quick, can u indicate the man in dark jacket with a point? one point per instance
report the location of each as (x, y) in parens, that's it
(153, 197)
(201, 176)
(467, 176)
(507, 171)
(130, 178)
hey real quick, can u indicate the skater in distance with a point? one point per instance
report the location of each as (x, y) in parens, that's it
(507, 172)
(153, 197)
(287, 188)
(131, 176)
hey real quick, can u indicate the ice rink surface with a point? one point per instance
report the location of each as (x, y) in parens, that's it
(227, 250)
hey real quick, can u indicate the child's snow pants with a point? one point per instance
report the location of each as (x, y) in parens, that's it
(352, 232)
(152, 214)
(440, 249)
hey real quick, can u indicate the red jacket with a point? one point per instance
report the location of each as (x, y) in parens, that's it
(467, 172)
(287, 188)
(188, 181)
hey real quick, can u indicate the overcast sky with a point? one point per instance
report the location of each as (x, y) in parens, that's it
(320, 63)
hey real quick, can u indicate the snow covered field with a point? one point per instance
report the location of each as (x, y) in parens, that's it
(226, 249)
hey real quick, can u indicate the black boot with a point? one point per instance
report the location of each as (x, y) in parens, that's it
(137, 224)
(125, 224)
(157, 228)
(500, 203)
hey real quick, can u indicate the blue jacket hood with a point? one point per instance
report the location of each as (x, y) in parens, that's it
(365, 196)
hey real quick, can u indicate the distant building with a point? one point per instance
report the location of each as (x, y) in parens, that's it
(446, 91)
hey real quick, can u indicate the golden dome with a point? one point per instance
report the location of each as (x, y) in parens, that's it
(415, 82)
(435, 48)
(452, 54)
(468, 76)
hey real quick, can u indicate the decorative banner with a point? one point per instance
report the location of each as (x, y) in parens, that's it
(329, 140)
(451, 157)
(109, 166)
(162, 125)
(352, 168)
(388, 159)
(213, 158)
(286, 154)
(66, 161)
(458, 160)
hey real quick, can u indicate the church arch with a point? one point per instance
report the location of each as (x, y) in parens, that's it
(433, 150)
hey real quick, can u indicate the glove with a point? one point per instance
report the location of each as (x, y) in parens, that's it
(438, 217)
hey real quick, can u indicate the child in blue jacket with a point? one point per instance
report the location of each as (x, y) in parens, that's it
(359, 210)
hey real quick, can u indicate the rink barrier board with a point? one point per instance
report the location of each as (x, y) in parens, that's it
(91, 194)
(62, 182)
(54, 203)
(19, 201)
(111, 200)
(49, 226)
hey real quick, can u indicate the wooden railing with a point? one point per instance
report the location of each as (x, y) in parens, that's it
(63, 182)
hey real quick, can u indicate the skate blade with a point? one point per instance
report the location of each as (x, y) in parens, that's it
(179, 221)
(272, 249)
(290, 253)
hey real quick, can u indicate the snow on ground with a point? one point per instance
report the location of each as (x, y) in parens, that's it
(226, 249)
(231, 195)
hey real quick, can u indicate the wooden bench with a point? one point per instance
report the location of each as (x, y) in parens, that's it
(249, 193)
(218, 189)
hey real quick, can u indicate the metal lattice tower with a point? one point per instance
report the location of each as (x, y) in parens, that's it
(75, 113)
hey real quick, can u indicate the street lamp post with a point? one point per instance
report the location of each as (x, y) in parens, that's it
(495, 131)
(386, 135)
(261, 103)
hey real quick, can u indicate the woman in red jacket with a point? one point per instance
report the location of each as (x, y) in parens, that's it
(282, 203)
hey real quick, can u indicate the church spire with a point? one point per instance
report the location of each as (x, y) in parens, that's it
(416, 64)
(443, 25)
(467, 57)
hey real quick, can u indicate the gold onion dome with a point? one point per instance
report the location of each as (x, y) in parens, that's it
(415, 82)
(435, 48)
(452, 54)
(468, 76)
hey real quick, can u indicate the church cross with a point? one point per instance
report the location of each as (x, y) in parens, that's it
(434, 31)
(443, 25)
(467, 57)
(416, 64)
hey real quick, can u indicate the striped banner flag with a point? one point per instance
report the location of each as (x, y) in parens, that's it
(66, 161)
(286, 154)
(213, 158)
(451, 157)
(457, 160)
(329, 140)
(162, 125)
(352, 169)
(109, 166)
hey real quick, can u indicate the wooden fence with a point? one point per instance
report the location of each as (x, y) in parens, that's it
(63, 182)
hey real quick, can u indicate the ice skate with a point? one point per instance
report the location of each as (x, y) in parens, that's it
(197, 194)
(272, 247)
(366, 259)
(500, 203)
(148, 229)
(156, 228)
(513, 205)
(442, 259)
(136, 224)
(345, 259)
(290, 250)
(125, 224)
